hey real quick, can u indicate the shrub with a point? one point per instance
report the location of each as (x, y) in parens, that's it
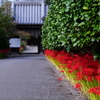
(23, 35)
(4, 43)
(3, 55)
(72, 26)
(6, 28)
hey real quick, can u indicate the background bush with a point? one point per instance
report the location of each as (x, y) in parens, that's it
(4, 44)
(73, 26)
(7, 27)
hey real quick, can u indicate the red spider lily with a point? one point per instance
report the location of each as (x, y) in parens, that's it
(61, 71)
(63, 52)
(69, 64)
(78, 86)
(4, 51)
(88, 72)
(98, 71)
(51, 53)
(98, 78)
(76, 67)
(79, 75)
(63, 58)
(83, 66)
(70, 71)
(60, 78)
(92, 90)
(90, 79)
(95, 90)
(61, 66)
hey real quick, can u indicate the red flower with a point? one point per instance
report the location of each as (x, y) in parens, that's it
(70, 71)
(78, 86)
(61, 71)
(98, 78)
(79, 75)
(88, 71)
(92, 90)
(51, 53)
(60, 78)
(4, 51)
(95, 90)
(83, 65)
(61, 65)
(98, 70)
(89, 79)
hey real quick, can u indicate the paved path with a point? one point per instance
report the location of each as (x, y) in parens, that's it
(31, 49)
(31, 78)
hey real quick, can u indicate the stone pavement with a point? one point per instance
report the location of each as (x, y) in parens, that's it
(32, 77)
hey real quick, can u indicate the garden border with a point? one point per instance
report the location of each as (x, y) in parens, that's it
(78, 94)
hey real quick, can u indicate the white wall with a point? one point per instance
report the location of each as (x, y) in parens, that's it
(29, 12)
(0, 2)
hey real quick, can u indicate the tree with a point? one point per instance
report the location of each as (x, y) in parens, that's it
(10, 26)
(6, 25)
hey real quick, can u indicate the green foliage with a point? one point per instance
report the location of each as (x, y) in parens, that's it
(6, 21)
(48, 2)
(23, 35)
(54, 30)
(72, 25)
(23, 44)
(3, 55)
(5, 29)
(3, 41)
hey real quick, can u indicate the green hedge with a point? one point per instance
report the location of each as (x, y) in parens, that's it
(73, 26)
